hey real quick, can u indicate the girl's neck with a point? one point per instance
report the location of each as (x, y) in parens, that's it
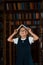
(23, 38)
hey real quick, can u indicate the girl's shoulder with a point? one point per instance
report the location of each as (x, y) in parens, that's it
(15, 40)
(31, 39)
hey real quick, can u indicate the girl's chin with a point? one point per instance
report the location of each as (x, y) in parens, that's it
(23, 36)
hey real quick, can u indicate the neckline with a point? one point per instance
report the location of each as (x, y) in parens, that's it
(23, 39)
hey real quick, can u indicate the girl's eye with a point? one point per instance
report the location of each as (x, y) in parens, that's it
(23, 31)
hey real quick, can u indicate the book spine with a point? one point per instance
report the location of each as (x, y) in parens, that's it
(37, 15)
(19, 6)
(39, 6)
(14, 6)
(34, 15)
(22, 6)
(20, 16)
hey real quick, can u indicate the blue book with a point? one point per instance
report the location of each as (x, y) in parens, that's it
(36, 22)
(38, 5)
(17, 16)
(22, 6)
(34, 15)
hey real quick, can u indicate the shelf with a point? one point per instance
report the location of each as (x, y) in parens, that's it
(13, 15)
(12, 1)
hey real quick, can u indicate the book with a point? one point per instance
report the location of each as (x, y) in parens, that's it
(10, 6)
(31, 5)
(41, 14)
(14, 6)
(28, 22)
(10, 16)
(7, 6)
(38, 6)
(22, 6)
(35, 6)
(37, 22)
(20, 22)
(19, 16)
(34, 15)
(27, 15)
(16, 23)
(22, 16)
(13, 16)
(30, 15)
(25, 5)
(37, 15)
(19, 6)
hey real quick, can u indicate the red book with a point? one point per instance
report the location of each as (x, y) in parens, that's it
(31, 5)
(28, 22)
(17, 23)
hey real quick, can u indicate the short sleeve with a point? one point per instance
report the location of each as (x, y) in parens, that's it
(15, 40)
(31, 40)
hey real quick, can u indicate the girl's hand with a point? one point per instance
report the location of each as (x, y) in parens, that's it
(29, 30)
(15, 31)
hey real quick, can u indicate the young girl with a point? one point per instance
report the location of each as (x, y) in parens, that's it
(23, 55)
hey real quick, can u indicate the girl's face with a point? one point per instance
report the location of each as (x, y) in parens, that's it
(23, 32)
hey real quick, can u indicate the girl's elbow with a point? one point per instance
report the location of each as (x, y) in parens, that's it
(37, 38)
(8, 40)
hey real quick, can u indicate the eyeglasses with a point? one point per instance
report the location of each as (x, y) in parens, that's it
(22, 30)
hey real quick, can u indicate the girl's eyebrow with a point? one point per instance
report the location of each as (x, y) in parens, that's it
(22, 30)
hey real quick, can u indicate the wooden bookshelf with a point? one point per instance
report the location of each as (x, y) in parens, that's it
(4, 38)
(14, 14)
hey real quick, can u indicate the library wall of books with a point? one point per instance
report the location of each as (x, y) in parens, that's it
(14, 13)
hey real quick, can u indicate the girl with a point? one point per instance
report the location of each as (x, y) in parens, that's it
(23, 55)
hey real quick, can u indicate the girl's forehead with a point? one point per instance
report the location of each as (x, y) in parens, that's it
(22, 28)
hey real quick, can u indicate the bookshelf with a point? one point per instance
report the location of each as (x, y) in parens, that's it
(15, 13)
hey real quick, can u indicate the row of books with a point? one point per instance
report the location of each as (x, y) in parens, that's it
(23, 6)
(23, 16)
(27, 22)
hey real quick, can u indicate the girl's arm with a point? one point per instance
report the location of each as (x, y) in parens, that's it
(35, 37)
(10, 38)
